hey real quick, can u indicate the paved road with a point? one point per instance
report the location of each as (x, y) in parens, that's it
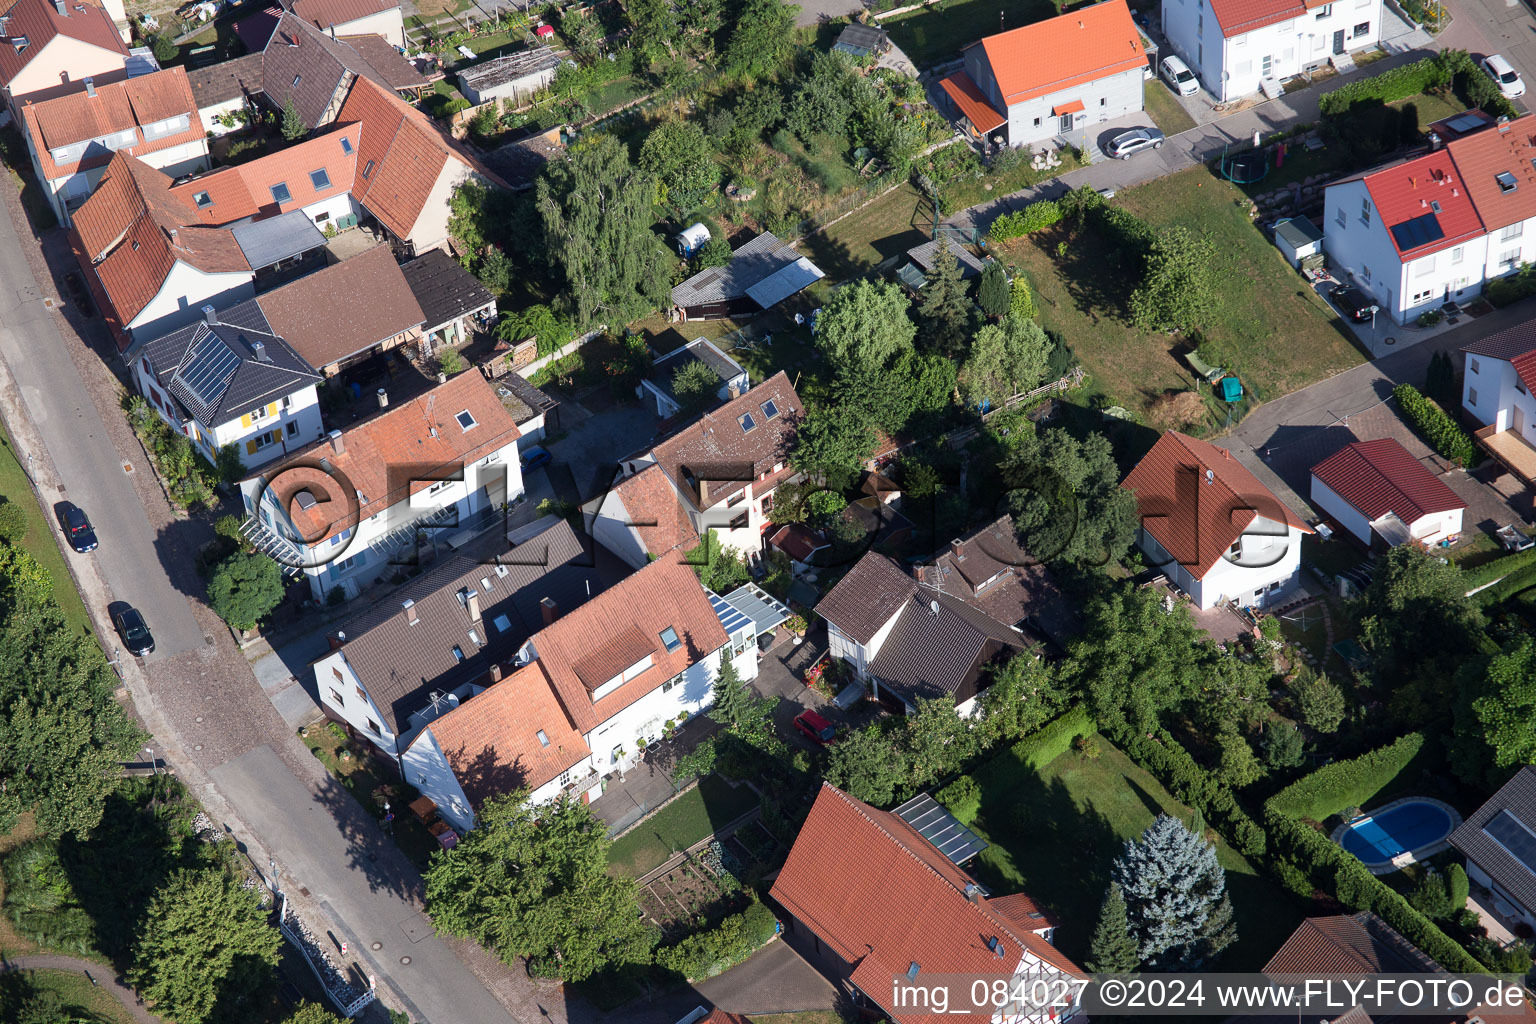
(98, 974)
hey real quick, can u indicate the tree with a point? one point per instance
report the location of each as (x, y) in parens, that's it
(164, 48)
(700, 20)
(823, 99)
(1112, 950)
(891, 398)
(831, 444)
(13, 522)
(655, 26)
(1136, 661)
(293, 127)
(581, 30)
(694, 385)
(1173, 889)
(761, 38)
(937, 740)
(313, 1013)
(714, 253)
(943, 306)
(1178, 289)
(244, 588)
(537, 321)
(1319, 702)
(1005, 359)
(1429, 897)
(1024, 694)
(205, 947)
(865, 325)
(596, 209)
(1457, 887)
(721, 569)
(1505, 710)
(1283, 747)
(732, 702)
(1237, 766)
(678, 155)
(1021, 301)
(868, 764)
(992, 294)
(532, 881)
(1066, 498)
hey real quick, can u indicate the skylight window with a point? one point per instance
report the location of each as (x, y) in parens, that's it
(502, 623)
(368, 169)
(203, 200)
(346, 146)
(1435, 205)
(748, 424)
(474, 638)
(466, 420)
(458, 653)
(296, 79)
(770, 409)
(280, 192)
(320, 180)
(543, 738)
(670, 639)
(1506, 180)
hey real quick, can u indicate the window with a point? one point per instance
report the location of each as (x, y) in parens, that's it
(1457, 254)
(474, 638)
(1507, 182)
(169, 126)
(1365, 273)
(337, 673)
(770, 409)
(368, 170)
(748, 424)
(1362, 29)
(1424, 267)
(1340, 217)
(670, 639)
(667, 686)
(1365, 212)
(1102, 101)
(373, 727)
(261, 441)
(293, 428)
(466, 420)
(338, 700)
(346, 146)
(280, 192)
(1473, 365)
(20, 42)
(458, 653)
(1513, 231)
(502, 623)
(543, 738)
(320, 180)
(203, 200)
(1037, 122)
(1324, 11)
(296, 79)
(1423, 296)
(1471, 396)
(360, 694)
(1509, 258)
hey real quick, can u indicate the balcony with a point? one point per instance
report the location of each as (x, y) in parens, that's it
(1511, 451)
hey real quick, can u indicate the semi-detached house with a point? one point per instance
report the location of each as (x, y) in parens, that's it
(1051, 78)
(1496, 392)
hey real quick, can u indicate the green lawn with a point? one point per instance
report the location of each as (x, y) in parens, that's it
(1056, 833)
(1164, 108)
(859, 242)
(710, 805)
(936, 34)
(39, 540)
(1269, 328)
(78, 998)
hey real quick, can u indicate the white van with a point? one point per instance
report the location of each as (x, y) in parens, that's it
(1178, 76)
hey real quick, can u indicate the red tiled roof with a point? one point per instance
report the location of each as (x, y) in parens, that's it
(1239, 16)
(116, 107)
(655, 511)
(880, 896)
(1409, 190)
(492, 741)
(1378, 477)
(798, 541)
(719, 453)
(40, 21)
(344, 309)
(624, 623)
(327, 13)
(1507, 148)
(1023, 912)
(1517, 346)
(973, 103)
(1195, 499)
(1059, 53)
(246, 190)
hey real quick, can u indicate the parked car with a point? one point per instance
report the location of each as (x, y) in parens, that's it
(134, 631)
(1128, 144)
(535, 457)
(1513, 540)
(77, 527)
(1504, 76)
(816, 727)
(1178, 76)
(1353, 303)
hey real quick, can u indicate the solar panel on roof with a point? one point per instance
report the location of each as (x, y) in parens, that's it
(208, 369)
(1506, 830)
(941, 828)
(1464, 122)
(1421, 230)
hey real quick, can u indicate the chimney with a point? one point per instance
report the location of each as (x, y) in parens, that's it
(472, 603)
(973, 893)
(61, 7)
(549, 610)
(496, 672)
(338, 444)
(259, 350)
(210, 315)
(383, 397)
(957, 548)
(90, 86)
(410, 611)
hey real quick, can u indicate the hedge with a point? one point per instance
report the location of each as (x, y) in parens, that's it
(1390, 86)
(1343, 784)
(1166, 759)
(1500, 567)
(1435, 425)
(708, 953)
(1507, 588)
(1037, 216)
(1502, 291)
(1053, 739)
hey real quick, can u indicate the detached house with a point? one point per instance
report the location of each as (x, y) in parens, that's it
(1237, 47)
(72, 138)
(1211, 526)
(1383, 495)
(717, 473)
(49, 47)
(230, 379)
(1496, 392)
(361, 502)
(868, 898)
(1499, 843)
(912, 642)
(334, 18)
(1051, 78)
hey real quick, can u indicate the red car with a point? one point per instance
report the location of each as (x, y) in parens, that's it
(817, 728)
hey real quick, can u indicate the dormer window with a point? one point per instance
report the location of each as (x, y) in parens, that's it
(21, 43)
(670, 640)
(280, 193)
(1506, 180)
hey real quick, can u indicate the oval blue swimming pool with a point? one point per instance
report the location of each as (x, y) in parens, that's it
(1404, 828)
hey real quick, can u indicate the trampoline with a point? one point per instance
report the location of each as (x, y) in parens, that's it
(1246, 167)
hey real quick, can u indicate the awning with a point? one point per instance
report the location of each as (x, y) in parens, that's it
(973, 103)
(758, 605)
(265, 242)
(1068, 108)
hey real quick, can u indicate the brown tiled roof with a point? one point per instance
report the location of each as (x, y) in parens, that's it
(1195, 499)
(1506, 149)
(990, 570)
(1381, 476)
(1517, 345)
(939, 645)
(661, 594)
(345, 308)
(718, 455)
(246, 189)
(492, 741)
(225, 81)
(132, 231)
(881, 897)
(873, 591)
(327, 13)
(400, 663)
(304, 63)
(655, 511)
(390, 456)
(116, 107)
(40, 21)
(381, 55)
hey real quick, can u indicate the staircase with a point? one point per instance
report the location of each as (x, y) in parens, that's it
(280, 549)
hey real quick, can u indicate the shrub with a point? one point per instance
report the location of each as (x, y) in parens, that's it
(708, 953)
(41, 902)
(1435, 425)
(1499, 568)
(1173, 766)
(335, 596)
(1053, 739)
(13, 522)
(164, 48)
(1430, 317)
(1429, 896)
(1390, 86)
(1502, 291)
(245, 588)
(1457, 887)
(1333, 787)
(450, 362)
(228, 527)
(1508, 587)
(962, 798)
(1037, 216)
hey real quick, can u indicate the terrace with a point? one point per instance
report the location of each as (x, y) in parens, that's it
(1512, 451)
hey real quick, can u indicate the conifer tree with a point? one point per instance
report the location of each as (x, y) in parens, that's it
(1175, 896)
(1112, 950)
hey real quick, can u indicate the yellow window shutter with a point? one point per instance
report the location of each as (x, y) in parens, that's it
(250, 447)
(245, 421)
(272, 409)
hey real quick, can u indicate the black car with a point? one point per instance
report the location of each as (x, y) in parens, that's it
(1353, 303)
(77, 527)
(135, 633)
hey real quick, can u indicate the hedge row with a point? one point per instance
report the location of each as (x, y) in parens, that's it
(1390, 86)
(1502, 291)
(708, 953)
(1436, 425)
(1331, 869)
(1508, 587)
(1191, 784)
(1343, 784)
(1053, 739)
(1037, 216)
(1498, 568)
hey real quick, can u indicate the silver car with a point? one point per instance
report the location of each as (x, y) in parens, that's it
(1128, 144)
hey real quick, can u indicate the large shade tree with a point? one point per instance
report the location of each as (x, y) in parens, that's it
(865, 325)
(1005, 359)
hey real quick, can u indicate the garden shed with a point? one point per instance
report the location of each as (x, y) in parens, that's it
(1297, 238)
(514, 78)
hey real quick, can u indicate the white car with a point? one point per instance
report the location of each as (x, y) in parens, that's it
(1178, 76)
(1505, 77)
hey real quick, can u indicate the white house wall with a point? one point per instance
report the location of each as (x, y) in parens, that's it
(1436, 526)
(1107, 98)
(1226, 580)
(297, 422)
(425, 767)
(611, 528)
(1341, 511)
(390, 24)
(649, 714)
(327, 211)
(182, 296)
(44, 75)
(431, 228)
(1509, 246)
(1491, 391)
(343, 695)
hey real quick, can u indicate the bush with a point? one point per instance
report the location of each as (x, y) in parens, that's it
(450, 362)
(1457, 887)
(1499, 568)
(245, 588)
(1435, 425)
(228, 527)
(335, 596)
(1501, 291)
(1037, 216)
(1333, 787)
(13, 522)
(163, 47)
(1508, 587)
(1429, 896)
(1390, 86)
(962, 798)
(41, 901)
(708, 953)
(1173, 766)
(189, 477)
(1053, 739)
